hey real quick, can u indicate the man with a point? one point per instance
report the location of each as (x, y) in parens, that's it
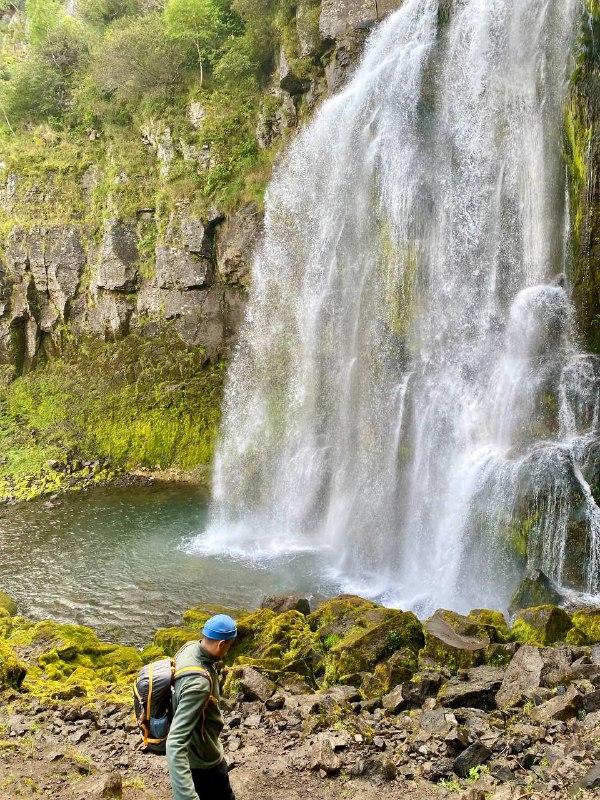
(194, 753)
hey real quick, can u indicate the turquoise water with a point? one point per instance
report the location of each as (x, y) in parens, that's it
(114, 559)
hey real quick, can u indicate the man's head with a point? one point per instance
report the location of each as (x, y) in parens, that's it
(218, 634)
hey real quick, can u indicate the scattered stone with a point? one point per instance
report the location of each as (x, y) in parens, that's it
(475, 755)
(274, 703)
(394, 701)
(100, 786)
(591, 780)
(521, 678)
(254, 685)
(562, 707)
(323, 757)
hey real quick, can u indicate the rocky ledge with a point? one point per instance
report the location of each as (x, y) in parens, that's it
(348, 700)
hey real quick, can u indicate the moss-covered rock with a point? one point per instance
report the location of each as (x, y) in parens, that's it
(494, 622)
(542, 625)
(455, 641)
(586, 627)
(195, 618)
(170, 640)
(12, 671)
(377, 634)
(7, 604)
(337, 617)
(66, 661)
(535, 589)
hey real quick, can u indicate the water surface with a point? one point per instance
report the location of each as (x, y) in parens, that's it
(114, 559)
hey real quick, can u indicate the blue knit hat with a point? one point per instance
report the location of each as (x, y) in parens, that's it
(220, 627)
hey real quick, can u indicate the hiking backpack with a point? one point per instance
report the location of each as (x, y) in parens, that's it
(153, 700)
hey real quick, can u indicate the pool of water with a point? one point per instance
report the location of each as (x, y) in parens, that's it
(116, 560)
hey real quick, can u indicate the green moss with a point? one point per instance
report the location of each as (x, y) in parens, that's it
(170, 640)
(493, 624)
(586, 627)
(7, 604)
(12, 672)
(541, 625)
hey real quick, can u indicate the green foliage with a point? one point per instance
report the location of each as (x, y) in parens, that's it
(137, 60)
(44, 16)
(205, 24)
(103, 12)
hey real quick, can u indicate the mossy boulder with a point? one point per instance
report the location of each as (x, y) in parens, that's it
(170, 640)
(286, 640)
(7, 604)
(457, 642)
(377, 634)
(542, 625)
(12, 671)
(586, 627)
(398, 668)
(70, 661)
(495, 624)
(536, 589)
(195, 618)
(337, 617)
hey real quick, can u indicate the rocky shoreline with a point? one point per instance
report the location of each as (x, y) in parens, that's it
(434, 709)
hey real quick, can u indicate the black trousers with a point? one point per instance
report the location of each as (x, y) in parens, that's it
(213, 784)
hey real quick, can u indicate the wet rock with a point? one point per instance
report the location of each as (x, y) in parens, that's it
(323, 757)
(542, 625)
(289, 81)
(339, 16)
(282, 603)
(562, 707)
(118, 257)
(254, 685)
(475, 755)
(535, 589)
(237, 239)
(477, 691)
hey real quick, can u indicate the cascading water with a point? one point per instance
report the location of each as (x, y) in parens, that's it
(407, 391)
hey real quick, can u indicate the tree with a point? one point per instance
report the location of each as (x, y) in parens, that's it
(206, 24)
(103, 12)
(137, 59)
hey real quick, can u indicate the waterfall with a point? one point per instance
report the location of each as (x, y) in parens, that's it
(408, 392)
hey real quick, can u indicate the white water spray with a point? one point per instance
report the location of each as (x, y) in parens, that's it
(407, 389)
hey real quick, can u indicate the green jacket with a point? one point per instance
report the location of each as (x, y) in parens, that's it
(193, 742)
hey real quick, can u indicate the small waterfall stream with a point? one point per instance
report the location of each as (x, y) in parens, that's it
(408, 391)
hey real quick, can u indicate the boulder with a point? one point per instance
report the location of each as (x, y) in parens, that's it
(12, 672)
(535, 589)
(289, 79)
(117, 270)
(455, 641)
(323, 757)
(586, 627)
(562, 707)
(477, 691)
(542, 625)
(254, 685)
(394, 701)
(475, 755)
(521, 678)
(99, 787)
(307, 28)
(237, 239)
(381, 632)
(422, 685)
(7, 604)
(282, 603)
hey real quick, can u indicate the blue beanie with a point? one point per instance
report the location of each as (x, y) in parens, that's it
(220, 627)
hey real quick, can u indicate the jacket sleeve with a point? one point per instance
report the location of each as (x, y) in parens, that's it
(191, 699)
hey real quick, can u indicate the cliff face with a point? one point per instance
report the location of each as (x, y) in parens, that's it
(125, 249)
